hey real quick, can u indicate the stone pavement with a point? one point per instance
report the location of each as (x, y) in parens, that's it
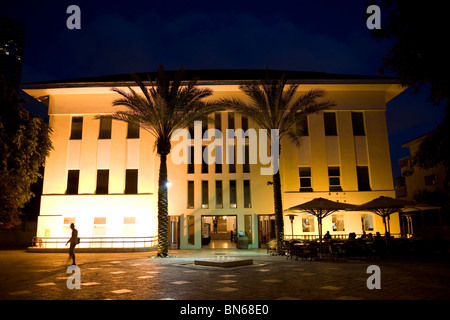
(141, 276)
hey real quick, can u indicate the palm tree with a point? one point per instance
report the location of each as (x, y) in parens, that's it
(161, 109)
(273, 105)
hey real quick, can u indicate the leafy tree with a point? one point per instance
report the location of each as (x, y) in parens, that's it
(24, 145)
(162, 108)
(419, 56)
(273, 105)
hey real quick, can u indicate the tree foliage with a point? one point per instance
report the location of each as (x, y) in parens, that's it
(273, 104)
(24, 145)
(419, 56)
(162, 107)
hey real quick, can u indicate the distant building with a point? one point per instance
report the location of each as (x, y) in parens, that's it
(103, 175)
(414, 181)
(12, 41)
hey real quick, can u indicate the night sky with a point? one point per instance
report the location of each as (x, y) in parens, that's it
(136, 36)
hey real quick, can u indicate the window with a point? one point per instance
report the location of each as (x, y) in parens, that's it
(99, 226)
(330, 123)
(247, 195)
(367, 222)
(358, 124)
(77, 128)
(246, 167)
(129, 226)
(191, 229)
(431, 180)
(231, 124)
(73, 177)
(308, 224)
(205, 195)
(102, 182)
(131, 181)
(190, 196)
(218, 121)
(363, 178)
(219, 194)
(303, 125)
(204, 127)
(218, 159)
(105, 129)
(337, 221)
(191, 167)
(133, 131)
(233, 194)
(204, 163)
(231, 159)
(244, 124)
(305, 179)
(334, 177)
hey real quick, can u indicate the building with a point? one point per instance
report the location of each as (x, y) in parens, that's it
(103, 175)
(415, 181)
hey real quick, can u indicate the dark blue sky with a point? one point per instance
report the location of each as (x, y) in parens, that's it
(136, 36)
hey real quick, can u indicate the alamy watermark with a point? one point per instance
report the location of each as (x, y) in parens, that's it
(232, 152)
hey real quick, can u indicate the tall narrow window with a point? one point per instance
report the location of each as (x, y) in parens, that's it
(102, 182)
(218, 121)
(247, 194)
(190, 196)
(133, 131)
(246, 166)
(191, 229)
(131, 181)
(244, 123)
(233, 194)
(358, 124)
(330, 123)
(73, 178)
(204, 163)
(219, 196)
(303, 125)
(105, 129)
(77, 128)
(231, 124)
(363, 178)
(334, 178)
(305, 179)
(205, 195)
(204, 127)
(191, 167)
(231, 159)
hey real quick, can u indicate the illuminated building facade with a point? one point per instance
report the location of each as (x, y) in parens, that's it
(102, 175)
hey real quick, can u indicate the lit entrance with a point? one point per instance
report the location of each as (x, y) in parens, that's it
(174, 232)
(266, 228)
(218, 232)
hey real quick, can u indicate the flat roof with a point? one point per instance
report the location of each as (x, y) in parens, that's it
(217, 76)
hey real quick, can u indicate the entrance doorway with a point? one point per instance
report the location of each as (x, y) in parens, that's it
(174, 232)
(218, 232)
(266, 228)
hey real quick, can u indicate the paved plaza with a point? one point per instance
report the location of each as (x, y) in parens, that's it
(141, 276)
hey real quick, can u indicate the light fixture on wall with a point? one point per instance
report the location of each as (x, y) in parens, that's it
(269, 183)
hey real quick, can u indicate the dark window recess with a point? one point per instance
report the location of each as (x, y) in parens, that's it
(363, 178)
(133, 131)
(131, 181)
(330, 123)
(76, 130)
(73, 178)
(358, 124)
(305, 179)
(102, 182)
(190, 196)
(105, 129)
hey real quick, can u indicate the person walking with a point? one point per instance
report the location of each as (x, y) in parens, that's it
(74, 240)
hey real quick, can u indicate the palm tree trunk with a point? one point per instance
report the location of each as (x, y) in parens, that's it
(163, 218)
(279, 223)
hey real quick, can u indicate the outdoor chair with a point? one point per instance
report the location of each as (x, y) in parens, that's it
(311, 251)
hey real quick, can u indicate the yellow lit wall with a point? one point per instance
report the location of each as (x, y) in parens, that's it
(119, 153)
